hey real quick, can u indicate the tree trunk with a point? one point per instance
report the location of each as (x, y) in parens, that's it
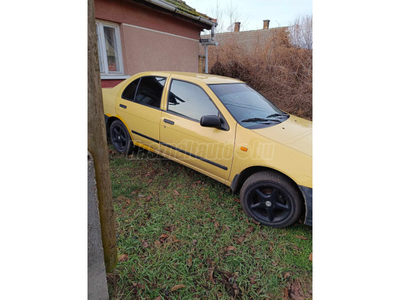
(97, 145)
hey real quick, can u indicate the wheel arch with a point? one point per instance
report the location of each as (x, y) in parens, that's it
(110, 120)
(239, 179)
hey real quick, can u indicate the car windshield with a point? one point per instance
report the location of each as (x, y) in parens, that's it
(248, 107)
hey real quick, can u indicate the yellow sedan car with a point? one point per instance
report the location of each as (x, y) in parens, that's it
(224, 129)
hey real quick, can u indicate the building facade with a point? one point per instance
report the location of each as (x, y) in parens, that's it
(147, 35)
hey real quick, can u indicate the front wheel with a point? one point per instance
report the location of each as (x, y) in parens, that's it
(271, 199)
(120, 138)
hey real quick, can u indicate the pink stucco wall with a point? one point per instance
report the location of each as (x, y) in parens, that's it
(151, 51)
(145, 50)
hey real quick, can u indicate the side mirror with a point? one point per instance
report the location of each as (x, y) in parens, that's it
(210, 121)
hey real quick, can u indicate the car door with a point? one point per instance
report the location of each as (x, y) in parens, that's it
(206, 149)
(139, 107)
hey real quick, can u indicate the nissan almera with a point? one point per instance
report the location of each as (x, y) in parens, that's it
(224, 129)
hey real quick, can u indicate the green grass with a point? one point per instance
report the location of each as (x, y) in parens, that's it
(178, 227)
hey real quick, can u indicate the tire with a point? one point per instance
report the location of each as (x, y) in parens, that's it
(271, 199)
(120, 137)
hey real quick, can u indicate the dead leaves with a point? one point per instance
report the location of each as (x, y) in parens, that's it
(189, 262)
(166, 239)
(230, 248)
(249, 229)
(211, 274)
(301, 237)
(166, 291)
(240, 239)
(195, 183)
(310, 257)
(123, 257)
(253, 279)
(163, 236)
(227, 279)
(297, 290)
(122, 198)
(176, 287)
(244, 237)
(127, 202)
(169, 228)
(216, 225)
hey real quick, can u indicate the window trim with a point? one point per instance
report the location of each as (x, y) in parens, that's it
(106, 74)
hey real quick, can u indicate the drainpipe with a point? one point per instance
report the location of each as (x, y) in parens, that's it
(206, 43)
(206, 60)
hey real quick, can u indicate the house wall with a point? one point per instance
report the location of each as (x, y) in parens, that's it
(150, 39)
(246, 42)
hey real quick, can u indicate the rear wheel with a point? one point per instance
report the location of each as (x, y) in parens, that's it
(271, 199)
(120, 138)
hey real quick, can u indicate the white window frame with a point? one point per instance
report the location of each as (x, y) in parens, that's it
(104, 72)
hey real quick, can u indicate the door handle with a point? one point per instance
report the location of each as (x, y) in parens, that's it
(169, 121)
(123, 106)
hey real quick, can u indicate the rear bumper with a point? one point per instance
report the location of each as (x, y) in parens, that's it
(307, 194)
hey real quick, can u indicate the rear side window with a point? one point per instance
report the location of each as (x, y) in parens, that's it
(130, 90)
(150, 91)
(190, 100)
(146, 90)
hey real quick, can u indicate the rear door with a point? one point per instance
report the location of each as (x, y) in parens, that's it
(139, 107)
(182, 136)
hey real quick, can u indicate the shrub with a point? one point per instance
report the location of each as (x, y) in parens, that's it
(278, 70)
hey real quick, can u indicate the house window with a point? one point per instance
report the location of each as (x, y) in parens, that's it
(110, 54)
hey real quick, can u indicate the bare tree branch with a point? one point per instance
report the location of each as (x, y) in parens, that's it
(301, 34)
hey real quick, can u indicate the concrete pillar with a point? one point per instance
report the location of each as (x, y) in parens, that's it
(97, 281)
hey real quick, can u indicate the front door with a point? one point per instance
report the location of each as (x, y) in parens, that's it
(182, 136)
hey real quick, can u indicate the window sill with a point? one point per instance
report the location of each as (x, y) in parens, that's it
(103, 76)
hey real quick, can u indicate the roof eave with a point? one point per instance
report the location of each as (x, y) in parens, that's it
(175, 9)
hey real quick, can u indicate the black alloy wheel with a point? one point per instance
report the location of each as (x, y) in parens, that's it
(120, 138)
(271, 199)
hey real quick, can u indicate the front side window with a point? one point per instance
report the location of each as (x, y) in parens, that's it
(109, 46)
(190, 100)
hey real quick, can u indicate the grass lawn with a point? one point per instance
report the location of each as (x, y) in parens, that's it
(182, 235)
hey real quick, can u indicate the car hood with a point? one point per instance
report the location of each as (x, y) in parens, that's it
(295, 133)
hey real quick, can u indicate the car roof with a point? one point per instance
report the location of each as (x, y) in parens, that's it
(206, 78)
